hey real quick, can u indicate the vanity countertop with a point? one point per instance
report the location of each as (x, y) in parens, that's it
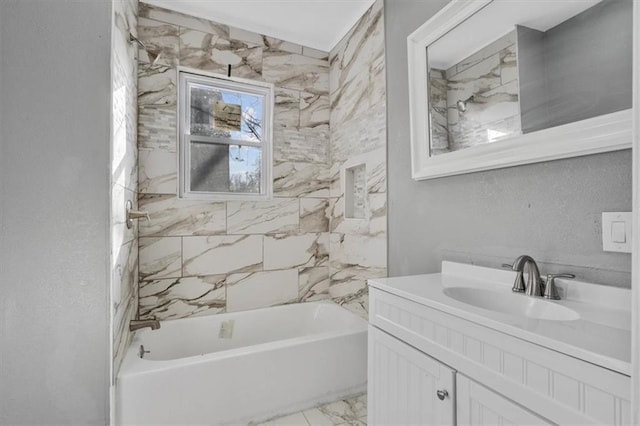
(601, 335)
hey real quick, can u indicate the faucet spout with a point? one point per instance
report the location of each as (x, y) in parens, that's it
(534, 285)
(138, 324)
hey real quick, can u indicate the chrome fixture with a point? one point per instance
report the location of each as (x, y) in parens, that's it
(134, 39)
(550, 290)
(442, 394)
(138, 324)
(534, 285)
(153, 56)
(461, 105)
(141, 352)
(134, 214)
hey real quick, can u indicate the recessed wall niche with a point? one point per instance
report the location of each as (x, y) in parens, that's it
(355, 194)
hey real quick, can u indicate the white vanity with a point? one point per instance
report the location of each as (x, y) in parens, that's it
(458, 347)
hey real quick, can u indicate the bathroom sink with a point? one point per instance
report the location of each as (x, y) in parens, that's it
(512, 303)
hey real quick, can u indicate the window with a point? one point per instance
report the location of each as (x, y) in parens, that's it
(225, 138)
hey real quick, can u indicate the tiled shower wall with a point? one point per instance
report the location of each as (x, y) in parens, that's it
(199, 257)
(124, 176)
(358, 246)
(489, 80)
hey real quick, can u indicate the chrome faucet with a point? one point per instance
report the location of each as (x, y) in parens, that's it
(534, 285)
(138, 324)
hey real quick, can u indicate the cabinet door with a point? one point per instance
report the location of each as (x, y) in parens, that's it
(477, 405)
(403, 385)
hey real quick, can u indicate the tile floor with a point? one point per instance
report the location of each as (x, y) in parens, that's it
(352, 411)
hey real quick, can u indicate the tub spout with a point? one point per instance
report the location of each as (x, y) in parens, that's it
(138, 324)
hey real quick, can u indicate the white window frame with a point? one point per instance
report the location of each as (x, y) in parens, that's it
(187, 75)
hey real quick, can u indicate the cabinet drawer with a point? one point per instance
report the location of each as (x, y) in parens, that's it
(477, 405)
(572, 390)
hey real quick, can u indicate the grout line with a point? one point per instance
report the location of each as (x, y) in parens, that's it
(305, 418)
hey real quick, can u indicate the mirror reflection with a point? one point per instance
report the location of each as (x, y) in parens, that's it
(518, 67)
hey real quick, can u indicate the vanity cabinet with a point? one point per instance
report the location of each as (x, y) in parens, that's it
(407, 387)
(490, 377)
(477, 405)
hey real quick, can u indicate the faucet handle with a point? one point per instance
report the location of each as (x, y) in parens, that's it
(550, 290)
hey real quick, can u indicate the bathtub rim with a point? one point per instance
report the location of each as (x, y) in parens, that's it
(133, 365)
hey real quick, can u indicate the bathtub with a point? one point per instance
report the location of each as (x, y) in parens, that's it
(242, 367)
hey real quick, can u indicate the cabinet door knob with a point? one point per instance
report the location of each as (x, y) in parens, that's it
(442, 394)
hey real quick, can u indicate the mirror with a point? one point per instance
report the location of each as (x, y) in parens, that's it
(507, 82)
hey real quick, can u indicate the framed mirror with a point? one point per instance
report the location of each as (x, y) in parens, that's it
(500, 83)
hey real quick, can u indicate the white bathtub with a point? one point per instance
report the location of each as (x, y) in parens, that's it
(278, 360)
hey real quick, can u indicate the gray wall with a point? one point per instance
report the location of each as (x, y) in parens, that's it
(54, 254)
(549, 210)
(586, 65)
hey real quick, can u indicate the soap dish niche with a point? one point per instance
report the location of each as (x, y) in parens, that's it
(355, 191)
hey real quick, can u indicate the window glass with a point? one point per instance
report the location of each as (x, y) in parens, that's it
(225, 168)
(225, 146)
(223, 113)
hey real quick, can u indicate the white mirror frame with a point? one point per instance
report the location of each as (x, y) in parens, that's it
(609, 132)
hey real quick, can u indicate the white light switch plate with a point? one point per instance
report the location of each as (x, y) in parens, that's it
(616, 231)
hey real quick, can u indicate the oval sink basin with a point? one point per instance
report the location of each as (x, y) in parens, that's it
(511, 303)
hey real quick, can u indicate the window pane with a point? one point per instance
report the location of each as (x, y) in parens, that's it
(225, 113)
(225, 168)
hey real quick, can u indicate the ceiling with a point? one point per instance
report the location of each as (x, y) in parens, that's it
(319, 24)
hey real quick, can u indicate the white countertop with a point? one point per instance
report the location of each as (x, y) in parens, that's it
(602, 334)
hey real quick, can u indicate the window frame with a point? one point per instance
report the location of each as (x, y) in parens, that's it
(185, 138)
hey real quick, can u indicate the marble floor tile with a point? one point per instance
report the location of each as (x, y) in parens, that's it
(317, 418)
(293, 419)
(352, 411)
(348, 411)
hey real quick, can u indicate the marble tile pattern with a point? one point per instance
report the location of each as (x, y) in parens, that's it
(191, 296)
(199, 257)
(349, 411)
(211, 52)
(124, 179)
(438, 104)
(357, 246)
(487, 82)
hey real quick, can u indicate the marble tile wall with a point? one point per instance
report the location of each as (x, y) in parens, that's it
(438, 102)
(124, 177)
(199, 257)
(358, 247)
(488, 80)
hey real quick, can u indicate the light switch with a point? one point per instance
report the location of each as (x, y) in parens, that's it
(616, 231)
